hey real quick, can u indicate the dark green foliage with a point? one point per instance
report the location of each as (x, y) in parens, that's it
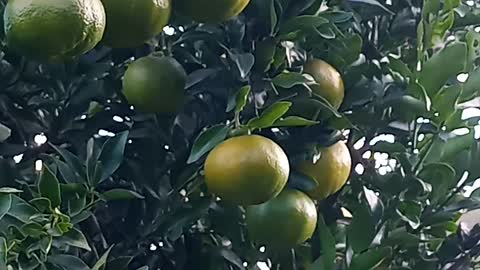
(134, 198)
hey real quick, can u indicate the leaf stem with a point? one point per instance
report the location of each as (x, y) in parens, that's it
(419, 163)
(451, 195)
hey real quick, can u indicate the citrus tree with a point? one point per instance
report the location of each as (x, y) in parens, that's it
(237, 134)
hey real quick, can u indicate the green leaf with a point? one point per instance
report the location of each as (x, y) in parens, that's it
(337, 16)
(5, 132)
(401, 237)
(473, 43)
(121, 194)
(300, 181)
(264, 53)
(370, 259)
(270, 115)
(442, 66)
(390, 148)
(471, 88)
(5, 203)
(33, 229)
(361, 231)
(177, 222)
(112, 154)
(91, 162)
(373, 3)
(410, 212)
(9, 190)
(327, 260)
(49, 187)
(242, 98)
(75, 238)
(103, 260)
(273, 17)
(73, 188)
(72, 161)
(294, 121)
(417, 91)
(81, 216)
(232, 257)
(3, 253)
(431, 6)
(76, 204)
(302, 22)
(42, 204)
(467, 160)
(206, 141)
(406, 105)
(451, 4)
(441, 27)
(290, 79)
(445, 102)
(198, 76)
(463, 203)
(244, 62)
(442, 178)
(93, 152)
(447, 146)
(375, 204)
(119, 263)
(326, 31)
(68, 262)
(68, 174)
(21, 210)
(26, 263)
(454, 144)
(321, 103)
(399, 66)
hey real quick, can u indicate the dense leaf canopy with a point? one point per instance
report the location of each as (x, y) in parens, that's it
(88, 182)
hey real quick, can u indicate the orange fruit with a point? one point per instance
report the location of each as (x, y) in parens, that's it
(130, 23)
(283, 222)
(330, 171)
(329, 81)
(214, 11)
(47, 30)
(155, 84)
(247, 170)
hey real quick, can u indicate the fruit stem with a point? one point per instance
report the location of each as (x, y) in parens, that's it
(164, 46)
(237, 120)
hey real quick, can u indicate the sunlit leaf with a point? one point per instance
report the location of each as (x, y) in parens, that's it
(270, 115)
(451, 59)
(206, 141)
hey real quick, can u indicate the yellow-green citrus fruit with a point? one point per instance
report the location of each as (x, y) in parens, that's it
(53, 30)
(132, 22)
(155, 84)
(247, 170)
(283, 222)
(329, 81)
(214, 11)
(331, 170)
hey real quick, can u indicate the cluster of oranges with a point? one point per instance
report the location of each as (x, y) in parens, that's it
(55, 31)
(58, 30)
(248, 170)
(253, 171)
